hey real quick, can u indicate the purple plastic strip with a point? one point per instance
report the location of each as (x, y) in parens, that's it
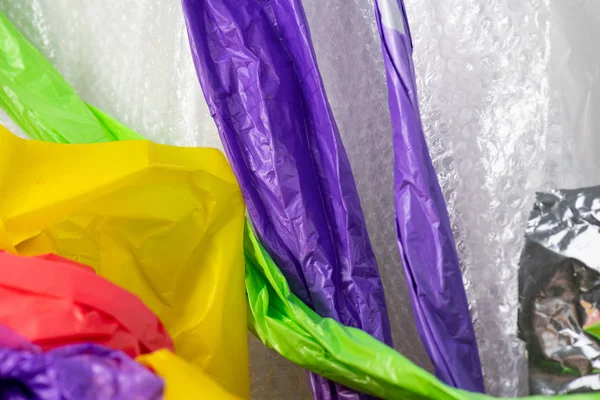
(81, 371)
(425, 238)
(258, 71)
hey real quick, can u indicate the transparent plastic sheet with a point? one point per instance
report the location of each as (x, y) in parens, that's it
(347, 355)
(287, 313)
(132, 59)
(346, 41)
(507, 91)
(96, 45)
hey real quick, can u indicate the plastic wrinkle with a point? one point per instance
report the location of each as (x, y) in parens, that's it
(343, 354)
(128, 209)
(67, 304)
(264, 90)
(424, 234)
(79, 371)
(347, 355)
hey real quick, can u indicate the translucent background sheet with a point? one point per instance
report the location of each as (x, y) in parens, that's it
(508, 93)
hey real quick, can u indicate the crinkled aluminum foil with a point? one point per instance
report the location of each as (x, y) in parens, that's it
(559, 292)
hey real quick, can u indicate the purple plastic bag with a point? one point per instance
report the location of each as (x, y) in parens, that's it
(259, 75)
(81, 371)
(425, 237)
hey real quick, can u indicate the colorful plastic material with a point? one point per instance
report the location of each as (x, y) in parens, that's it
(284, 323)
(163, 222)
(81, 371)
(265, 92)
(425, 237)
(182, 381)
(36, 115)
(68, 303)
(13, 340)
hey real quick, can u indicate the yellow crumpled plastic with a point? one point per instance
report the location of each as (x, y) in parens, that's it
(163, 222)
(182, 380)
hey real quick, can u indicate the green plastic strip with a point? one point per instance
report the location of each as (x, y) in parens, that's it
(37, 98)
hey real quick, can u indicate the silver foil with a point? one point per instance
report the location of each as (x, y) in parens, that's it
(559, 292)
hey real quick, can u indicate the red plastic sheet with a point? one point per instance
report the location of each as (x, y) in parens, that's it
(53, 302)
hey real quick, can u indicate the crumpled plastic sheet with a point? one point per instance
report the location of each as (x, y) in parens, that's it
(163, 221)
(559, 292)
(506, 89)
(360, 361)
(285, 149)
(79, 371)
(68, 303)
(132, 59)
(502, 85)
(424, 235)
(347, 44)
(341, 353)
(318, 350)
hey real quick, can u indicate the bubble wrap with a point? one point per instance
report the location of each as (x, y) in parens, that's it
(506, 92)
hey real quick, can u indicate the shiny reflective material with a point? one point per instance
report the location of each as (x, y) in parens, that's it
(424, 235)
(559, 292)
(68, 303)
(265, 92)
(508, 91)
(77, 371)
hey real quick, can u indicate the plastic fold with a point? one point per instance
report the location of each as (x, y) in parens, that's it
(265, 93)
(79, 371)
(68, 303)
(283, 322)
(425, 238)
(164, 223)
(182, 380)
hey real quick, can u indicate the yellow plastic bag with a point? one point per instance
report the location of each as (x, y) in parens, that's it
(181, 380)
(163, 222)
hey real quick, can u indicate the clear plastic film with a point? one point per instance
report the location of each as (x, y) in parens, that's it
(506, 91)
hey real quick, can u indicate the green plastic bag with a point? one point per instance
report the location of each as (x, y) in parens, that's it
(43, 104)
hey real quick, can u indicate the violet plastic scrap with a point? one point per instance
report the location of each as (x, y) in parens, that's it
(81, 371)
(259, 75)
(425, 238)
